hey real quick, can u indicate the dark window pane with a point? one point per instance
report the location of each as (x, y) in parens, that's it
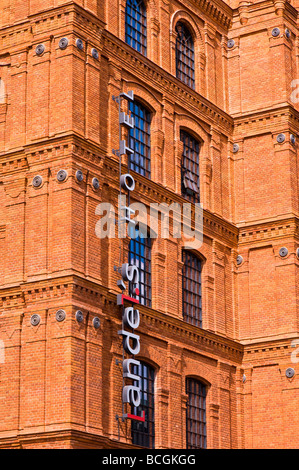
(190, 167)
(140, 255)
(196, 415)
(192, 312)
(140, 140)
(143, 434)
(136, 25)
(185, 55)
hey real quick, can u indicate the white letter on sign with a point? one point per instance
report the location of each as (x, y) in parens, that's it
(130, 273)
(131, 318)
(126, 369)
(135, 348)
(131, 395)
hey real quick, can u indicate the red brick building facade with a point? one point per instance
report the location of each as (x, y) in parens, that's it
(60, 381)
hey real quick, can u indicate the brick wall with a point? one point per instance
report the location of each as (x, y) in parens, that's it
(60, 385)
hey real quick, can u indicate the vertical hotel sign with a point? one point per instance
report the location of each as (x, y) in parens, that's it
(131, 394)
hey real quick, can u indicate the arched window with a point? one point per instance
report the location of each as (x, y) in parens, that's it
(185, 69)
(190, 167)
(140, 255)
(143, 434)
(136, 25)
(140, 139)
(192, 309)
(196, 415)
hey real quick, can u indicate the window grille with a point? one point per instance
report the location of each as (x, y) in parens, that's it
(185, 67)
(143, 434)
(196, 415)
(136, 25)
(140, 138)
(190, 167)
(192, 308)
(140, 255)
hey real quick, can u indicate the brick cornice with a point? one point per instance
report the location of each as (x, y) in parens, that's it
(66, 17)
(166, 324)
(282, 108)
(266, 120)
(154, 321)
(270, 4)
(81, 439)
(256, 233)
(11, 297)
(195, 339)
(51, 149)
(153, 192)
(141, 66)
(11, 164)
(82, 150)
(160, 325)
(268, 349)
(217, 10)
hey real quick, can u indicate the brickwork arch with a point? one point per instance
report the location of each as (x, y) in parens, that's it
(188, 20)
(204, 270)
(199, 378)
(197, 253)
(152, 103)
(145, 96)
(202, 254)
(192, 126)
(198, 371)
(191, 24)
(150, 362)
(155, 357)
